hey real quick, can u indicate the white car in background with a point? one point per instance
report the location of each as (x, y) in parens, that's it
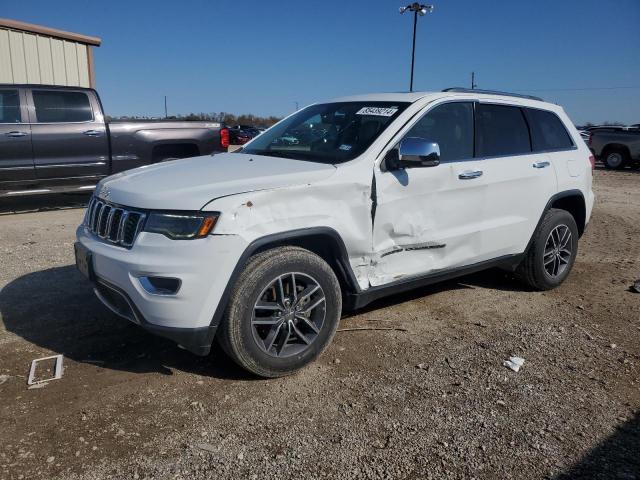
(263, 248)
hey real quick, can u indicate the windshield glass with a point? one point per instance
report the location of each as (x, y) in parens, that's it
(327, 133)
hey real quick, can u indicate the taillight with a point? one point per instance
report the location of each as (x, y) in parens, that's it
(592, 159)
(224, 137)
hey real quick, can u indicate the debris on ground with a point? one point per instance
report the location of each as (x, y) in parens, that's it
(3, 378)
(207, 447)
(422, 366)
(57, 371)
(636, 286)
(514, 363)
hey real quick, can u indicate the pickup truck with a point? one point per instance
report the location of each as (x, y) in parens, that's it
(617, 147)
(56, 139)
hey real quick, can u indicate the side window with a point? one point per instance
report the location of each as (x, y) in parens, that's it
(547, 131)
(59, 106)
(500, 130)
(9, 106)
(450, 125)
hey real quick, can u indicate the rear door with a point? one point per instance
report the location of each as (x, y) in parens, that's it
(16, 153)
(519, 182)
(69, 134)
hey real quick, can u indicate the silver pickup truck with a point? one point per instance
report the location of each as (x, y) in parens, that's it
(56, 139)
(617, 147)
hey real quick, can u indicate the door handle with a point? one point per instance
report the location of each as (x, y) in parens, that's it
(541, 164)
(92, 133)
(16, 134)
(470, 174)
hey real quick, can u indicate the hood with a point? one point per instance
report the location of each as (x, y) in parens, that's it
(191, 183)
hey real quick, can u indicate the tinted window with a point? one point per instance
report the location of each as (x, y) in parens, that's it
(9, 106)
(547, 131)
(500, 130)
(58, 106)
(451, 126)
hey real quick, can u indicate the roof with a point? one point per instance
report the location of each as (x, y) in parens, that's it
(51, 32)
(412, 97)
(43, 86)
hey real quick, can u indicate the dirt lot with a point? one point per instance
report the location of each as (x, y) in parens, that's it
(134, 406)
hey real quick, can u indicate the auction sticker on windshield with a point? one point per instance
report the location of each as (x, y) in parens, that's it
(378, 111)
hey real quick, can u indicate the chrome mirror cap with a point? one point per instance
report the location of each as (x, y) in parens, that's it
(418, 152)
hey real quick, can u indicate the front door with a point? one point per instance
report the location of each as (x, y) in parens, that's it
(430, 219)
(16, 153)
(68, 141)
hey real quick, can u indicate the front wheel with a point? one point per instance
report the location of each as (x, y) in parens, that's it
(283, 312)
(552, 252)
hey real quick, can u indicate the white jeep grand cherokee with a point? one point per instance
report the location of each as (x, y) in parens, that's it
(337, 205)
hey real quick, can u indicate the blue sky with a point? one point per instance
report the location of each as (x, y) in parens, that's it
(262, 57)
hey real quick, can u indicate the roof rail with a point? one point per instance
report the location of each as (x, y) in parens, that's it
(491, 92)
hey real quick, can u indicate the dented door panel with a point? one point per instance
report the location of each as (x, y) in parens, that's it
(427, 219)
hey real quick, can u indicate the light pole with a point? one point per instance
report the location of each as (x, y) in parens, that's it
(417, 9)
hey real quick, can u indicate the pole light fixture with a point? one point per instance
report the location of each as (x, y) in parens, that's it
(417, 9)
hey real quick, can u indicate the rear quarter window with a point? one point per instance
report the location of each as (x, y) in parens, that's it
(62, 107)
(547, 131)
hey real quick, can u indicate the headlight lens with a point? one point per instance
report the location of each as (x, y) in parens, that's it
(181, 226)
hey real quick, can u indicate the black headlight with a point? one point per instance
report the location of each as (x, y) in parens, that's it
(181, 226)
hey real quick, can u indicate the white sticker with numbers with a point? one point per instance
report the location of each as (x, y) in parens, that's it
(378, 111)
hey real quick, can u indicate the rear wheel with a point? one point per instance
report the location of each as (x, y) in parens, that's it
(552, 252)
(283, 312)
(615, 158)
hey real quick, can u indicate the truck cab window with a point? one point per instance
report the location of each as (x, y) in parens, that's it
(9, 106)
(58, 106)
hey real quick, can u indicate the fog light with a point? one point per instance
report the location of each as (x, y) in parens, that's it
(160, 285)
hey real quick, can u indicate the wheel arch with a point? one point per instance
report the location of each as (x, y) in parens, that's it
(573, 202)
(615, 146)
(323, 241)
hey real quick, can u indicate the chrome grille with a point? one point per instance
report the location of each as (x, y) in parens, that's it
(112, 223)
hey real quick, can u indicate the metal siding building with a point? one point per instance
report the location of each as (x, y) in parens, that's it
(41, 55)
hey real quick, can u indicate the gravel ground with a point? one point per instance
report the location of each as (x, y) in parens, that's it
(433, 401)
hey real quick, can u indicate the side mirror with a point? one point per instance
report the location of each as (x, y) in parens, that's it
(413, 152)
(417, 152)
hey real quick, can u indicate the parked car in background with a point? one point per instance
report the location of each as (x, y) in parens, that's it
(271, 243)
(250, 129)
(617, 147)
(55, 139)
(237, 136)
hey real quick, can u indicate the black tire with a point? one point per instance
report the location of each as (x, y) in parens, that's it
(533, 270)
(240, 339)
(615, 158)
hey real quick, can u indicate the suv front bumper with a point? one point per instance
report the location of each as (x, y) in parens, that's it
(203, 267)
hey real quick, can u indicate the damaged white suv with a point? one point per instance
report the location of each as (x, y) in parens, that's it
(337, 205)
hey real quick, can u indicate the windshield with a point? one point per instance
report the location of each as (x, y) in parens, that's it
(327, 133)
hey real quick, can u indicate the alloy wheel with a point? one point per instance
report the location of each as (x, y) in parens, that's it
(288, 315)
(557, 251)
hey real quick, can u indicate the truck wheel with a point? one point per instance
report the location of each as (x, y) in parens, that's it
(552, 252)
(615, 158)
(283, 312)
